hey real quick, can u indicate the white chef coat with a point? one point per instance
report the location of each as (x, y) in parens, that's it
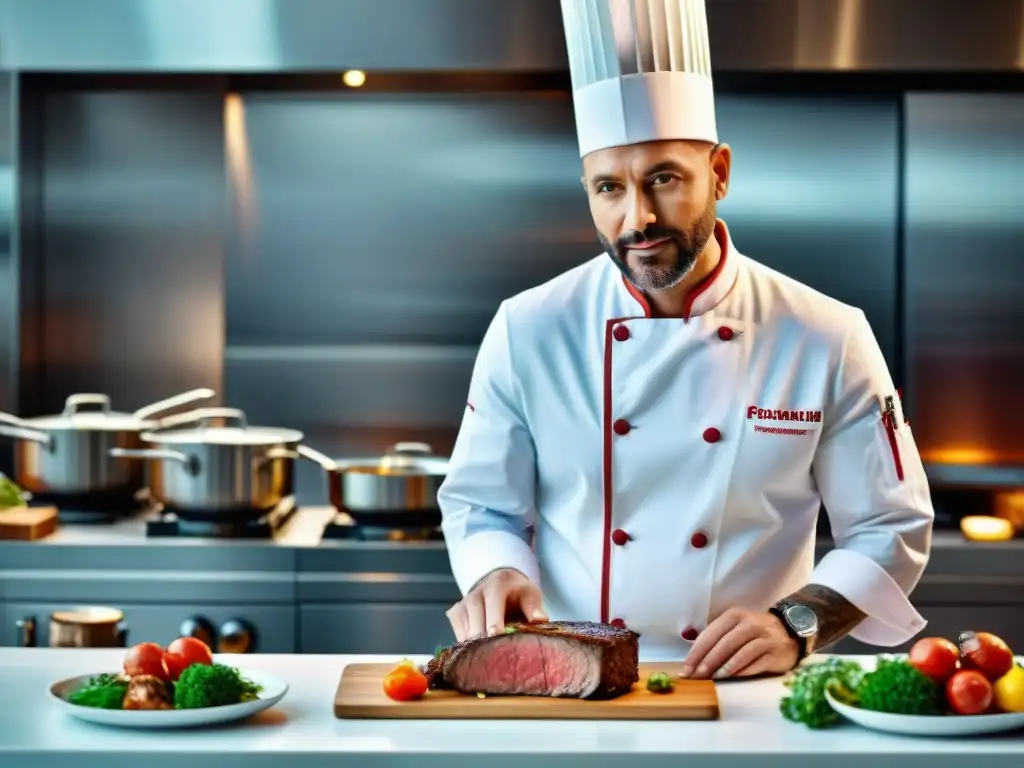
(654, 472)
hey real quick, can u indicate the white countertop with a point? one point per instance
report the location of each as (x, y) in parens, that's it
(302, 731)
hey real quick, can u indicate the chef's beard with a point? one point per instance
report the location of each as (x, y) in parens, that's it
(665, 270)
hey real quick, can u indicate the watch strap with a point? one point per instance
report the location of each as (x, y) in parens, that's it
(779, 611)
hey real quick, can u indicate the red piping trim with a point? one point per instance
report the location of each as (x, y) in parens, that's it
(606, 466)
(890, 431)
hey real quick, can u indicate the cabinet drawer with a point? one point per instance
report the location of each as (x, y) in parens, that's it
(273, 626)
(949, 621)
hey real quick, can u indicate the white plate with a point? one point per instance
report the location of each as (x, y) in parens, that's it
(928, 725)
(274, 689)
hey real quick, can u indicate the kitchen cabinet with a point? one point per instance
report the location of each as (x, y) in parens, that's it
(394, 628)
(950, 620)
(271, 627)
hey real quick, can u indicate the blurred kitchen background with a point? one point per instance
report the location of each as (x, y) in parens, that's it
(315, 207)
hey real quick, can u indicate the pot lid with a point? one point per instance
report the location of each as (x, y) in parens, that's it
(195, 427)
(88, 411)
(401, 458)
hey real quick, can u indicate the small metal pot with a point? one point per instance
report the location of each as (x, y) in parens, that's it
(88, 628)
(215, 471)
(68, 454)
(398, 489)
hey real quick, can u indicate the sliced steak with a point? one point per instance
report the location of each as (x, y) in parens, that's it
(569, 659)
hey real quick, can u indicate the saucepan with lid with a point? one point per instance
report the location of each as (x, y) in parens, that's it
(395, 490)
(200, 468)
(68, 454)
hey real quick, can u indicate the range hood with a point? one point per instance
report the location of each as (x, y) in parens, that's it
(275, 36)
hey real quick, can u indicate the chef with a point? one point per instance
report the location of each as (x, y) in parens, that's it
(649, 437)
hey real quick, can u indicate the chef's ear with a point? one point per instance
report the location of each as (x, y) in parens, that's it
(721, 167)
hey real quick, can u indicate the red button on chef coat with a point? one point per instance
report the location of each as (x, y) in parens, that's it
(712, 435)
(699, 540)
(689, 635)
(618, 623)
(621, 333)
(725, 333)
(620, 537)
(621, 426)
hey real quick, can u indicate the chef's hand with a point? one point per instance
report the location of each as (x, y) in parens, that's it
(502, 593)
(741, 644)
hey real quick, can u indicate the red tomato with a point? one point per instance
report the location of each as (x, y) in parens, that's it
(405, 683)
(936, 657)
(969, 692)
(145, 659)
(986, 653)
(184, 652)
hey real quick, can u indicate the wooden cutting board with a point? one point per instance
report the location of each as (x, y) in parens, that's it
(27, 523)
(360, 696)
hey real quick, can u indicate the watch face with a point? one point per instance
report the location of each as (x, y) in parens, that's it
(802, 619)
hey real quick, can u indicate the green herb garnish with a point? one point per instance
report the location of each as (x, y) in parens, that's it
(806, 701)
(899, 688)
(101, 692)
(659, 682)
(212, 685)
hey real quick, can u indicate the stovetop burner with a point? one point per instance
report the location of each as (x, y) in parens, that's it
(249, 525)
(92, 509)
(340, 528)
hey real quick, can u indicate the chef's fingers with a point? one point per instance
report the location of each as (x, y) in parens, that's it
(457, 618)
(724, 649)
(758, 666)
(709, 638)
(531, 603)
(749, 653)
(476, 611)
(495, 595)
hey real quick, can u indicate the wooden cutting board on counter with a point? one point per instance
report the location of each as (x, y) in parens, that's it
(360, 696)
(27, 523)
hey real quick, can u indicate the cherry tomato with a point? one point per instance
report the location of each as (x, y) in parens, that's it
(936, 657)
(405, 683)
(183, 653)
(969, 692)
(145, 659)
(986, 653)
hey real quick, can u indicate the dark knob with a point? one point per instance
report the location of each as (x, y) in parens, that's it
(236, 636)
(198, 627)
(27, 632)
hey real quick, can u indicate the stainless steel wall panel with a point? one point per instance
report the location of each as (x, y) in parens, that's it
(9, 290)
(134, 214)
(814, 195)
(279, 35)
(964, 272)
(380, 235)
(518, 35)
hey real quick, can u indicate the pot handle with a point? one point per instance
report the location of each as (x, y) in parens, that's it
(20, 433)
(150, 453)
(75, 402)
(204, 416)
(327, 463)
(147, 412)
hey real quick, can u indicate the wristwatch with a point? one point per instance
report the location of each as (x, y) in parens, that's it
(801, 624)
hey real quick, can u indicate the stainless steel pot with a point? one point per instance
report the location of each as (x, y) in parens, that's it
(90, 627)
(217, 470)
(68, 454)
(398, 489)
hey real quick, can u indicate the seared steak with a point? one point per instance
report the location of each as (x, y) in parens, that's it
(570, 659)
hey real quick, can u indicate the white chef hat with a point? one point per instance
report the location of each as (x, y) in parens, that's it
(641, 71)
